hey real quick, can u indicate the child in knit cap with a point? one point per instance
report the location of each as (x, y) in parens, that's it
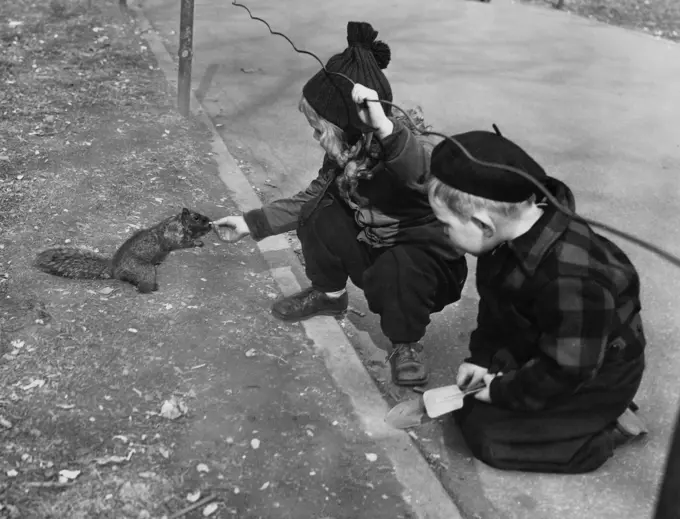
(559, 342)
(366, 217)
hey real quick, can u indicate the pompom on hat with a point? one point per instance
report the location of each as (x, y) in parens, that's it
(452, 167)
(362, 61)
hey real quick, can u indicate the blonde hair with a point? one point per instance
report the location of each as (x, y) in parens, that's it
(464, 205)
(357, 160)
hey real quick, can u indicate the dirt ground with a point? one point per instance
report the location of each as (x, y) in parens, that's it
(116, 404)
(656, 17)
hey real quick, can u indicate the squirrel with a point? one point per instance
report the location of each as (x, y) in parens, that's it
(135, 261)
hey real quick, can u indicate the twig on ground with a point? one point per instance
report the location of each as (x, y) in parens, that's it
(47, 484)
(197, 504)
(276, 357)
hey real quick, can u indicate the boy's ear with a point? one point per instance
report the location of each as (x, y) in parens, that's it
(485, 222)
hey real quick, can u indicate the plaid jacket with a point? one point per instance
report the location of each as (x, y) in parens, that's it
(555, 298)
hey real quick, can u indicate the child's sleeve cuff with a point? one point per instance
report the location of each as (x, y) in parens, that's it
(497, 393)
(257, 224)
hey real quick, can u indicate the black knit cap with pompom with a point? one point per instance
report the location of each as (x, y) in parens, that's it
(450, 165)
(362, 61)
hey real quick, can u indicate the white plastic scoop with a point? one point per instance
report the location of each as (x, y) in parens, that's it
(434, 403)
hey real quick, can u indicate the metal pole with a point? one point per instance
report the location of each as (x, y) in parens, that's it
(186, 38)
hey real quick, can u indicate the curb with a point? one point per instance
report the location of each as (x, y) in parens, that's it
(423, 491)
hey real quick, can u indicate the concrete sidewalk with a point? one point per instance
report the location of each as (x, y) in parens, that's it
(597, 105)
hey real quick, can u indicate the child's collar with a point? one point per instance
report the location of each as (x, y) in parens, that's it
(531, 247)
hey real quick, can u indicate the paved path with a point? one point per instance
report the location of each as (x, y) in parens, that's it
(597, 105)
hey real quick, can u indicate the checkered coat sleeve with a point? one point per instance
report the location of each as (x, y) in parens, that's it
(575, 316)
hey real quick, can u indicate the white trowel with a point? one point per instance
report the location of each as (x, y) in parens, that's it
(434, 403)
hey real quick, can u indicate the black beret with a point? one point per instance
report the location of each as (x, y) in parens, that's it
(450, 165)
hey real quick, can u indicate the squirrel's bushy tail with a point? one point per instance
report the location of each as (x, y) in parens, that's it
(70, 262)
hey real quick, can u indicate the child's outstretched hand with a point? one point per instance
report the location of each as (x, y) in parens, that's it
(232, 228)
(370, 112)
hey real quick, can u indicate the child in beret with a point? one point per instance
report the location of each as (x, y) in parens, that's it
(366, 217)
(559, 342)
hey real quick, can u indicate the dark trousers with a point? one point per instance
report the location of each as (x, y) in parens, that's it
(570, 437)
(404, 284)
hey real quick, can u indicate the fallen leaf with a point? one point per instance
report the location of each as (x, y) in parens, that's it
(120, 437)
(69, 474)
(147, 475)
(132, 330)
(265, 486)
(106, 291)
(192, 497)
(114, 459)
(65, 406)
(251, 352)
(164, 452)
(255, 443)
(4, 422)
(4, 157)
(371, 457)
(11, 473)
(210, 509)
(34, 383)
(16, 343)
(202, 467)
(173, 408)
